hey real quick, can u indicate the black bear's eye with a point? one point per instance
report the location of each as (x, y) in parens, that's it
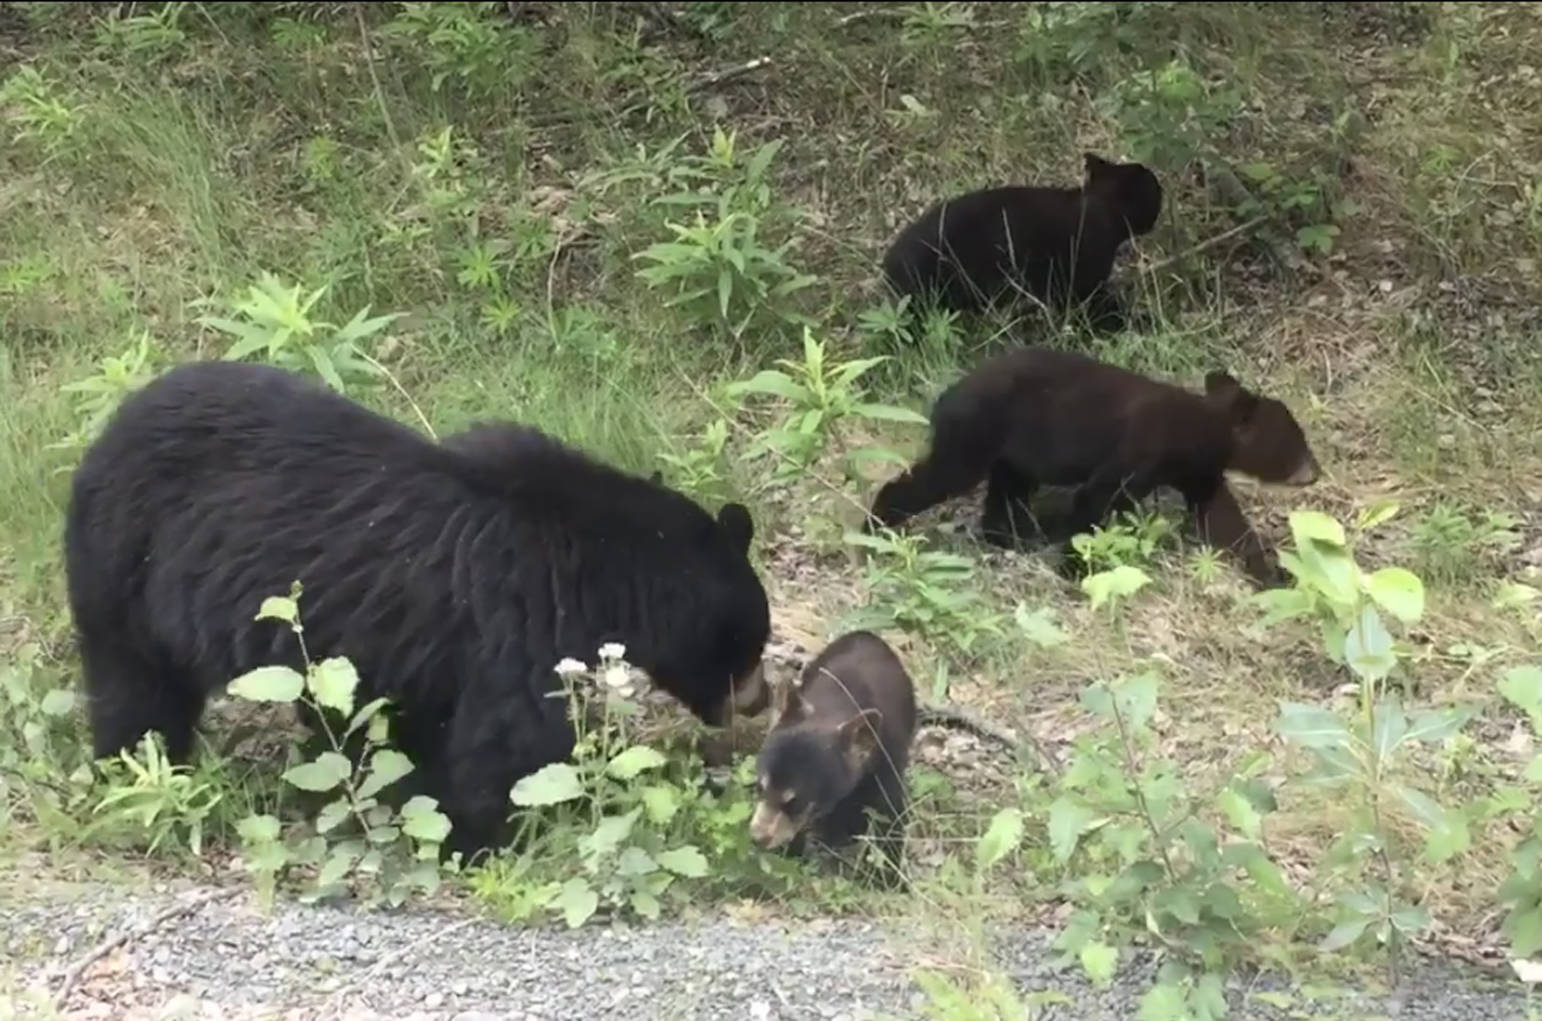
(791, 804)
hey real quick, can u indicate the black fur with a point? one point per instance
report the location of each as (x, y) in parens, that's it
(1035, 416)
(976, 250)
(806, 754)
(454, 575)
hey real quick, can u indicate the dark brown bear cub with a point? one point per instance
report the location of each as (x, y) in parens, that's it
(838, 752)
(972, 251)
(1035, 417)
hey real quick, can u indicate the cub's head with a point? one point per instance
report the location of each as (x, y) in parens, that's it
(807, 765)
(1267, 441)
(1131, 189)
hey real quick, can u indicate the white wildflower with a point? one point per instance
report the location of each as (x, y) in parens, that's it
(1529, 972)
(570, 666)
(619, 679)
(612, 650)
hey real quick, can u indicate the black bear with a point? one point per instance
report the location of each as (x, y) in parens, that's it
(836, 756)
(972, 251)
(1034, 416)
(455, 575)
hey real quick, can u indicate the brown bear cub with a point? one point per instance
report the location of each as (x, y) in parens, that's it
(838, 753)
(972, 251)
(1035, 417)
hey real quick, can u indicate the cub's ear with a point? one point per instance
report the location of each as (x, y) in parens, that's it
(859, 738)
(1237, 401)
(734, 520)
(790, 705)
(1096, 165)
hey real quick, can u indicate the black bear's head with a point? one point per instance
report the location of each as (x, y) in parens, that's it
(808, 764)
(1131, 190)
(1267, 441)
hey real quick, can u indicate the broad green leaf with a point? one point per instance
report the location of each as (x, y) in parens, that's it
(336, 867)
(58, 702)
(634, 861)
(684, 861)
(770, 381)
(332, 683)
(1522, 686)
(1039, 627)
(661, 802)
(1437, 724)
(1311, 726)
(646, 905)
(258, 829)
(1134, 697)
(1423, 807)
(332, 815)
(329, 770)
(268, 684)
(1388, 726)
(577, 901)
(386, 767)
(1344, 934)
(1281, 604)
(1164, 1001)
(1524, 927)
(1100, 961)
(889, 413)
(608, 835)
(1412, 920)
(1001, 838)
(1368, 646)
(1447, 840)
(365, 715)
(1067, 822)
(1397, 591)
(1309, 526)
(278, 608)
(550, 785)
(627, 764)
(1119, 583)
(1240, 813)
(1377, 514)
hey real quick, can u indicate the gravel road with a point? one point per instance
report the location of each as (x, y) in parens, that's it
(229, 959)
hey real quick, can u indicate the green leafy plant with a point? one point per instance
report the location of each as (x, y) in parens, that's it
(45, 769)
(275, 321)
(927, 592)
(1521, 892)
(43, 112)
(478, 49)
(1130, 539)
(1346, 601)
(611, 837)
(151, 37)
(100, 394)
(1154, 862)
(821, 402)
(1365, 760)
(700, 466)
(171, 804)
(396, 851)
(1453, 545)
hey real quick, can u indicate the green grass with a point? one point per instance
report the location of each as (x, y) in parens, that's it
(149, 176)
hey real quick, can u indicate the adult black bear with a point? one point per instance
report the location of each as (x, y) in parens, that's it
(1058, 244)
(455, 576)
(838, 751)
(1034, 416)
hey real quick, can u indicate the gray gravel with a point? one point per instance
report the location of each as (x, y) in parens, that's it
(228, 959)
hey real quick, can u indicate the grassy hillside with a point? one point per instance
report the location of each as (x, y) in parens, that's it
(597, 217)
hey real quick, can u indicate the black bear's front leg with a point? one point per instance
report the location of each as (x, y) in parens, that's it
(1222, 524)
(1007, 519)
(1109, 491)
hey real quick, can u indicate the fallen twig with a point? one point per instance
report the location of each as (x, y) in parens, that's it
(706, 81)
(1240, 228)
(951, 716)
(102, 949)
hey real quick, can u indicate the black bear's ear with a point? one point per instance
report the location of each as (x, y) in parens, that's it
(1097, 166)
(859, 738)
(1238, 402)
(657, 478)
(734, 520)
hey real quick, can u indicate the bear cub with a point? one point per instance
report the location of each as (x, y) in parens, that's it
(838, 753)
(971, 251)
(1035, 416)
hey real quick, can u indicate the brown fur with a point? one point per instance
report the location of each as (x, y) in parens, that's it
(1035, 417)
(838, 751)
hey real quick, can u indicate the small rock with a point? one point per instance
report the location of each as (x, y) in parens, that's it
(433, 1001)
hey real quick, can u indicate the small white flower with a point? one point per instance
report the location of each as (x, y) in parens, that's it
(570, 666)
(619, 679)
(612, 650)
